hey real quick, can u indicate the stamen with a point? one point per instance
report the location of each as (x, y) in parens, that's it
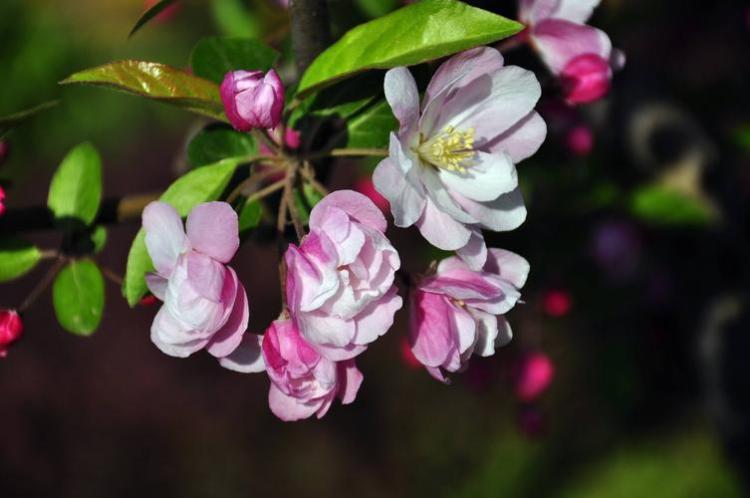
(450, 149)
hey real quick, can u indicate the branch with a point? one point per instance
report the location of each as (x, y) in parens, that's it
(112, 211)
(311, 33)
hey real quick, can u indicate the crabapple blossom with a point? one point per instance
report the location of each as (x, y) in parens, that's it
(11, 328)
(339, 283)
(581, 55)
(303, 382)
(458, 311)
(451, 166)
(253, 99)
(205, 305)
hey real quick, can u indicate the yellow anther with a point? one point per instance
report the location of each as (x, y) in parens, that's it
(450, 149)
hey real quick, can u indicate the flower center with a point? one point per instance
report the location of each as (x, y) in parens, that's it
(450, 149)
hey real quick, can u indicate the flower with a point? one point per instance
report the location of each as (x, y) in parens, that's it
(533, 376)
(451, 168)
(2, 200)
(252, 99)
(304, 383)
(339, 284)
(205, 305)
(459, 311)
(581, 55)
(11, 328)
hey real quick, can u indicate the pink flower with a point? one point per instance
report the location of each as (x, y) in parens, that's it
(205, 305)
(339, 283)
(11, 328)
(459, 311)
(581, 55)
(2, 200)
(252, 99)
(534, 374)
(451, 169)
(304, 383)
(580, 140)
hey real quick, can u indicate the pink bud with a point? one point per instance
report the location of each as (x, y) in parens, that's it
(252, 99)
(534, 375)
(580, 140)
(11, 328)
(2, 200)
(557, 303)
(586, 78)
(365, 186)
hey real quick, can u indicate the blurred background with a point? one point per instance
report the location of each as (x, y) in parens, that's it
(628, 375)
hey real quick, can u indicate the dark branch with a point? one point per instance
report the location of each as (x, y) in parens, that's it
(311, 31)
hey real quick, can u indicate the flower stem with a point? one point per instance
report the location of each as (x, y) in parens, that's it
(42, 285)
(351, 152)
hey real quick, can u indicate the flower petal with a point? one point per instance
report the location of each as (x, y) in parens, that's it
(406, 202)
(578, 11)
(487, 179)
(290, 409)
(213, 229)
(505, 213)
(165, 236)
(431, 329)
(377, 317)
(441, 230)
(474, 253)
(558, 41)
(157, 285)
(509, 265)
(403, 97)
(356, 205)
(229, 336)
(247, 358)
(350, 379)
(165, 328)
(521, 140)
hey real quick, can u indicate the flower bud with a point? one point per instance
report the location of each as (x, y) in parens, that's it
(11, 328)
(2, 200)
(252, 99)
(586, 78)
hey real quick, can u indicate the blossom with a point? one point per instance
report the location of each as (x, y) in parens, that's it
(2, 200)
(339, 284)
(205, 305)
(303, 382)
(581, 55)
(451, 166)
(458, 311)
(253, 99)
(534, 374)
(11, 328)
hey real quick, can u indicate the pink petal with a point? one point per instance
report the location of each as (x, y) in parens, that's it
(229, 336)
(357, 206)
(474, 253)
(321, 328)
(578, 11)
(507, 212)
(533, 11)
(522, 139)
(212, 228)
(247, 358)
(406, 202)
(441, 230)
(165, 329)
(431, 330)
(288, 408)
(377, 317)
(560, 41)
(510, 266)
(403, 97)
(165, 236)
(157, 285)
(350, 379)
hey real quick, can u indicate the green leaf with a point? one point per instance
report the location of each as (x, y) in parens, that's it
(76, 188)
(250, 215)
(214, 57)
(150, 14)
(418, 33)
(99, 238)
(78, 297)
(158, 82)
(17, 257)
(216, 143)
(200, 185)
(233, 18)
(371, 127)
(12, 120)
(663, 206)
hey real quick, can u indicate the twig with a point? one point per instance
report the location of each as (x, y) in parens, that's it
(350, 152)
(111, 275)
(42, 285)
(264, 192)
(255, 178)
(311, 31)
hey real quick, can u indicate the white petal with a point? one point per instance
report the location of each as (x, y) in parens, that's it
(488, 178)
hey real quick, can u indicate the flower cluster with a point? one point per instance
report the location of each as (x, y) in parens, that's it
(450, 170)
